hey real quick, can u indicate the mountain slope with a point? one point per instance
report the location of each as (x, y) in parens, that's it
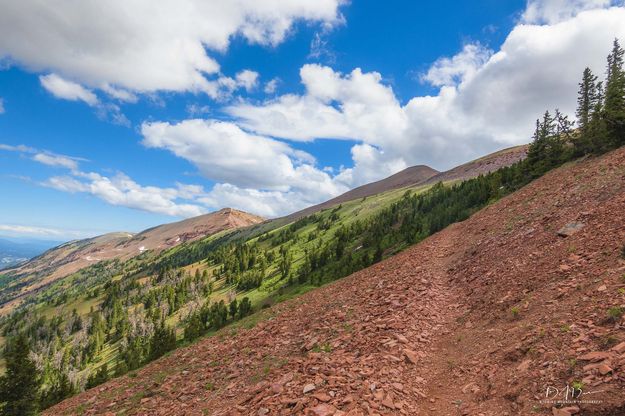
(481, 166)
(480, 318)
(420, 175)
(75, 255)
(409, 176)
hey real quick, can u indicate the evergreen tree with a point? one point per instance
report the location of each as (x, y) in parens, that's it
(194, 328)
(60, 388)
(614, 107)
(543, 149)
(234, 307)
(99, 376)
(218, 315)
(586, 99)
(163, 341)
(245, 307)
(19, 387)
(285, 264)
(588, 110)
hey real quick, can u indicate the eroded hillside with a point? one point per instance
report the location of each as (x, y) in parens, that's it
(481, 318)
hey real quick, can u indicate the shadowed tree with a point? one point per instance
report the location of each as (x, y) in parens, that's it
(19, 387)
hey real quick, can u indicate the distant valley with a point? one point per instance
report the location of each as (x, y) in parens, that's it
(18, 250)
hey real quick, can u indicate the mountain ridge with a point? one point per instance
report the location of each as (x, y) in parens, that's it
(420, 175)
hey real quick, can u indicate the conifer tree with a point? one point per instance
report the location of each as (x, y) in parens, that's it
(539, 153)
(234, 307)
(614, 107)
(245, 307)
(59, 389)
(163, 340)
(586, 99)
(19, 387)
(193, 328)
(588, 112)
(99, 376)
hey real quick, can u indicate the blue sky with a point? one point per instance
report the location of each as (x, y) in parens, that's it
(125, 118)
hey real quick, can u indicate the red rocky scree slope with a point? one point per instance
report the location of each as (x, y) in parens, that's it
(479, 319)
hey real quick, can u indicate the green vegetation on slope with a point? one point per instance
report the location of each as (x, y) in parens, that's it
(141, 309)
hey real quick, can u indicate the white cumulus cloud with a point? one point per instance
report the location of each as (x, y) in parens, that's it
(67, 90)
(247, 79)
(460, 67)
(244, 165)
(120, 190)
(127, 47)
(487, 99)
(555, 11)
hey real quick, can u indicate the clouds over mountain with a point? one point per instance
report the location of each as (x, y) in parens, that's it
(487, 99)
(252, 171)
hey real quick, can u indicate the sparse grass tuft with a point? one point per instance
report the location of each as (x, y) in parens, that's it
(615, 313)
(325, 347)
(609, 341)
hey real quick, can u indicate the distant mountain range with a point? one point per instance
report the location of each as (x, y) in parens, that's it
(17, 250)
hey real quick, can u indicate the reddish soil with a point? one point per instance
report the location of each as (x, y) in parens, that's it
(479, 319)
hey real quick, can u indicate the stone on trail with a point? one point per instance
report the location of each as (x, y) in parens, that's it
(570, 229)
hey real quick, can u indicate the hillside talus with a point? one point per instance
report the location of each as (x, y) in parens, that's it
(479, 319)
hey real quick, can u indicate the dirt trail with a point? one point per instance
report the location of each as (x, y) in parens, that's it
(365, 349)
(475, 320)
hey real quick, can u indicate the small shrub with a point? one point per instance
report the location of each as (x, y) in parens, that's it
(515, 311)
(615, 313)
(609, 341)
(578, 388)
